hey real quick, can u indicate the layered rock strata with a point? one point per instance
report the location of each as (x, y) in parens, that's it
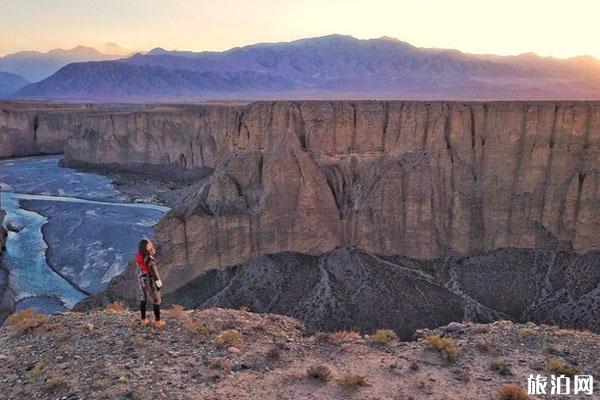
(424, 181)
(33, 128)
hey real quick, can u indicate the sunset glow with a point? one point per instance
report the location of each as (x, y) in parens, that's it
(560, 29)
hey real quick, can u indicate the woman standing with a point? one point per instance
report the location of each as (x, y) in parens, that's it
(149, 281)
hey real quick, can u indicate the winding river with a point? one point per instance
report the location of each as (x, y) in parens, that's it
(71, 231)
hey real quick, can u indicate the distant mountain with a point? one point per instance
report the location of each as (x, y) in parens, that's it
(35, 66)
(113, 80)
(113, 48)
(10, 83)
(333, 66)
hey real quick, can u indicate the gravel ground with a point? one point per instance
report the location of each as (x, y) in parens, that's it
(235, 354)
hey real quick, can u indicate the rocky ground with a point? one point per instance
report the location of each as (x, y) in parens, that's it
(230, 354)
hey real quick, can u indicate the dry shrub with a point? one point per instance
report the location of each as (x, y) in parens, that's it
(38, 368)
(483, 345)
(500, 367)
(526, 332)
(383, 336)
(27, 320)
(197, 328)
(319, 372)
(229, 337)
(318, 337)
(57, 382)
(54, 326)
(559, 366)
(177, 311)
(352, 381)
(480, 329)
(342, 337)
(511, 392)
(445, 346)
(116, 307)
(414, 366)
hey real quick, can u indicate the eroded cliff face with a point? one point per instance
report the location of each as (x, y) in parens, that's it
(334, 212)
(414, 179)
(34, 128)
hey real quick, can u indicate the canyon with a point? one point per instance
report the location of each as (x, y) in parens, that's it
(356, 214)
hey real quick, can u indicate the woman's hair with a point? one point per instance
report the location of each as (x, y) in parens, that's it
(142, 248)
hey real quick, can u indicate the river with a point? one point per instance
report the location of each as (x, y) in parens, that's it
(75, 231)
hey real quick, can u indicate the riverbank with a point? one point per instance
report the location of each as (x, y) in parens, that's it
(6, 297)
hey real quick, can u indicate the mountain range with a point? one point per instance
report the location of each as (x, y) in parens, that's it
(35, 66)
(10, 83)
(334, 66)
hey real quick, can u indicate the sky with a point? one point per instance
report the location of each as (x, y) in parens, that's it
(551, 27)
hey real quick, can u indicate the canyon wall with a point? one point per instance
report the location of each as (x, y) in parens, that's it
(487, 209)
(414, 179)
(34, 128)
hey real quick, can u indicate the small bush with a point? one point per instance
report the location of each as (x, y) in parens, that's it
(177, 311)
(54, 326)
(483, 346)
(352, 381)
(526, 332)
(481, 329)
(197, 327)
(38, 368)
(116, 307)
(559, 366)
(384, 336)
(414, 366)
(56, 382)
(27, 320)
(511, 392)
(342, 337)
(319, 372)
(446, 347)
(501, 367)
(227, 338)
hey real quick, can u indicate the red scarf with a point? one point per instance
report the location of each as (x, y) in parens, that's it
(142, 263)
